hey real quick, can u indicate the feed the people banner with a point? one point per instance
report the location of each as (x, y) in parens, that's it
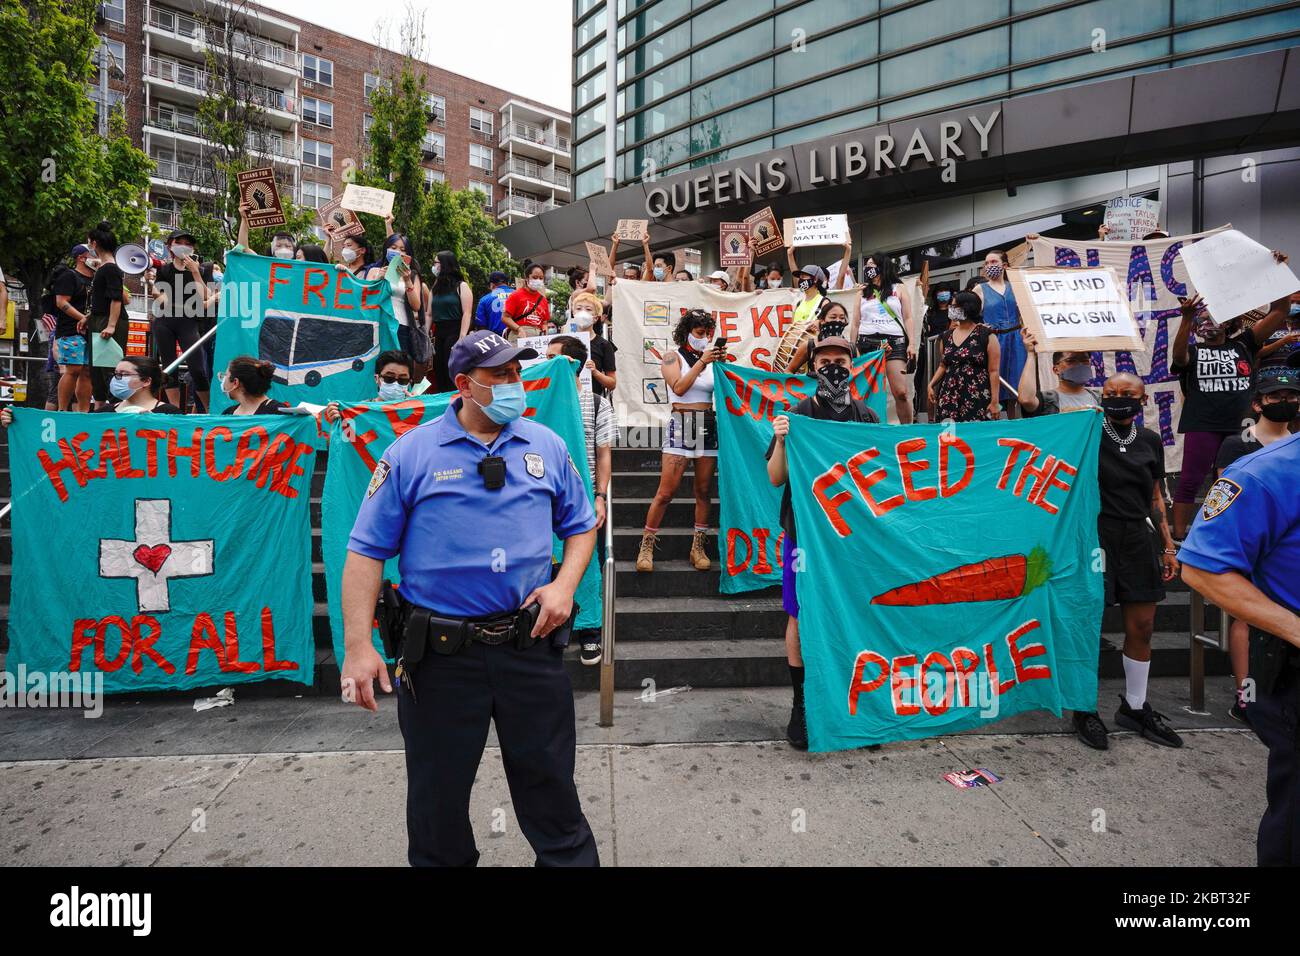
(365, 430)
(321, 328)
(645, 314)
(954, 573)
(185, 555)
(749, 520)
(1153, 277)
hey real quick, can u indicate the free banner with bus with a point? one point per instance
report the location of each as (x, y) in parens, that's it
(365, 430)
(190, 562)
(745, 401)
(956, 571)
(319, 326)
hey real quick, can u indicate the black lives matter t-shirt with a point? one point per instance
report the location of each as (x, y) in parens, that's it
(1216, 385)
(1128, 478)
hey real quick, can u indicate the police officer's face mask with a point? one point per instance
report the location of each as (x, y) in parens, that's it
(507, 401)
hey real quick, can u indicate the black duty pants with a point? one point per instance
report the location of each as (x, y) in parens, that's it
(1275, 718)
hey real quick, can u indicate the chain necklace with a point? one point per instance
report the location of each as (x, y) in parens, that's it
(1114, 435)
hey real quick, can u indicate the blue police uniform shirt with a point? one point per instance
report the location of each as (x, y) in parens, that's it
(1250, 523)
(467, 551)
(490, 309)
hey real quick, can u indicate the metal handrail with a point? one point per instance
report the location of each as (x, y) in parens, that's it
(609, 588)
(1199, 641)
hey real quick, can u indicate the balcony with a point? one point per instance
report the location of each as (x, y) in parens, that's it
(526, 168)
(187, 76)
(433, 153)
(190, 32)
(189, 172)
(530, 135)
(525, 206)
(173, 121)
(167, 218)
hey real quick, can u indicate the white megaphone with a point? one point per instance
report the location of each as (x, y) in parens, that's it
(132, 259)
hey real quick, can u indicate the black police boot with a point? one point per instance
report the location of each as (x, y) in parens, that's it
(797, 730)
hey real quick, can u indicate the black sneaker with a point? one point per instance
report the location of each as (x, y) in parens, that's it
(1146, 722)
(797, 730)
(1089, 728)
(591, 653)
(1238, 713)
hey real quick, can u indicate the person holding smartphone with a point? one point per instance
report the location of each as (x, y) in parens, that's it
(692, 432)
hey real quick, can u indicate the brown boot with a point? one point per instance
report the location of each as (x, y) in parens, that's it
(645, 559)
(698, 557)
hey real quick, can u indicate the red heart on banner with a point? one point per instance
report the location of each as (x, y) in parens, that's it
(152, 558)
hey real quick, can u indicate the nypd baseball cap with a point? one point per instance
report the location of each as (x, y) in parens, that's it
(1277, 379)
(484, 349)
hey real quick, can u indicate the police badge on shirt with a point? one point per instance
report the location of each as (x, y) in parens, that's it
(1222, 493)
(536, 466)
(378, 478)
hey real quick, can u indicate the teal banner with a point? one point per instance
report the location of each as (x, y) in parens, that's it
(746, 400)
(321, 328)
(365, 430)
(947, 576)
(166, 552)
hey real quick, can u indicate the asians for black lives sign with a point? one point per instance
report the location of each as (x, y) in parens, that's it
(645, 314)
(947, 576)
(166, 552)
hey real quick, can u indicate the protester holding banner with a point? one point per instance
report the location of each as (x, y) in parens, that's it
(1135, 566)
(1001, 314)
(692, 433)
(885, 320)
(309, 252)
(180, 294)
(963, 387)
(394, 373)
(1215, 374)
(1276, 405)
(683, 275)
(355, 254)
(528, 312)
(664, 265)
(832, 319)
(135, 386)
(108, 297)
(773, 275)
(1074, 371)
(70, 296)
(246, 382)
(407, 298)
(832, 358)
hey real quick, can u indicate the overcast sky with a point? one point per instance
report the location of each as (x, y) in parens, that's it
(524, 46)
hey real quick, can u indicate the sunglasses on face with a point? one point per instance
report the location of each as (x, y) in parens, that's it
(390, 379)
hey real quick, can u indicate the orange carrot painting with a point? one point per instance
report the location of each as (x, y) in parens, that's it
(993, 579)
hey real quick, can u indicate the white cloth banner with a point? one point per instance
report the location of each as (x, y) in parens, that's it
(1155, 278)
(645, 314)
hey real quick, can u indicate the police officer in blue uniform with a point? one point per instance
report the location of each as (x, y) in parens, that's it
(1243, 553)
(470, 501)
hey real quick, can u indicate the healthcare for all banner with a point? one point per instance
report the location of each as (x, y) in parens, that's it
(954, 573)
(1155, 277)
(321, 327)
(165, 552)
(745, 401)
(365, 430)
(647, 312)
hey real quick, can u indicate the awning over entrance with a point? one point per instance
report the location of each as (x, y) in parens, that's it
(1222, 107)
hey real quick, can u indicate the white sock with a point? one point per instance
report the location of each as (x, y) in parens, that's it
(1135, 681)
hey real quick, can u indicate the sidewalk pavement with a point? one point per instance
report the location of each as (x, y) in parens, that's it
(696, 777)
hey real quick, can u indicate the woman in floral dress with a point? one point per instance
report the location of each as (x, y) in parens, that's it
(961, 388)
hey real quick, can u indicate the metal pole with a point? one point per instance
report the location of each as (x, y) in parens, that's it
(1196, 671)
(607, 623)
(186, 354)
(611, 91)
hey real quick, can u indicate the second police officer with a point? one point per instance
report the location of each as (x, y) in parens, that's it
(469, 501)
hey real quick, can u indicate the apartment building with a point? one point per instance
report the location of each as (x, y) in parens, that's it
(312, 86)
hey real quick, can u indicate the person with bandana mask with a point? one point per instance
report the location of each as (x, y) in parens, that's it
(1283, 346)
(962, 388)
(1136, 563)
(1000, 313)
(933, 324)
(587, 314)
(1215, 374)
(470, 503)
(394, 372)
(832, 359)
(1074, 371)
(691, 435)
(1276, 403)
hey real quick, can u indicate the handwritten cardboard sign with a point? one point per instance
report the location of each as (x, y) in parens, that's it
(1129, 218)
(344, 221)
(830, 230)
(1075, 309)
(1234, 274)
(378, 202)
(599, 260)
(257, 190)
(632, 230)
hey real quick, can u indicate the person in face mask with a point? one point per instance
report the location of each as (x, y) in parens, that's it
(407, 297)
(933, 324)
(355, 255)
(1276, 404)
(184, 294)
(885, 322)
(774, 276)
(1216, 376)
(394, 372)
(832, 366)
(527, 311)
(135, 386)
(691, 435)
(963, 387)
(450, 308)
(70, 298)
(1283, 346)
(491, 307)
(472, 502)
(245, 382)
(1136, 563)
(664, 264)
(1000, 313)
(587, 314)
(1073, 370)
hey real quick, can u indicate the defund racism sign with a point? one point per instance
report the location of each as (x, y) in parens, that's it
(947, 576)
(1075, 309)
(184, 547)
(745, 401)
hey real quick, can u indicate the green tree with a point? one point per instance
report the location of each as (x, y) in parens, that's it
(58, 176)
(454, 220)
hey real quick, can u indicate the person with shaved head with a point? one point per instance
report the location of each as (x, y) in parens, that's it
(1136, 560)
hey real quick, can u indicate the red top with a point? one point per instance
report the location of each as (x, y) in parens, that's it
(521, 300)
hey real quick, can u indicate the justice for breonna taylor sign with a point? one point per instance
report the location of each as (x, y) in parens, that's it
(166, 552)
(954, 574)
